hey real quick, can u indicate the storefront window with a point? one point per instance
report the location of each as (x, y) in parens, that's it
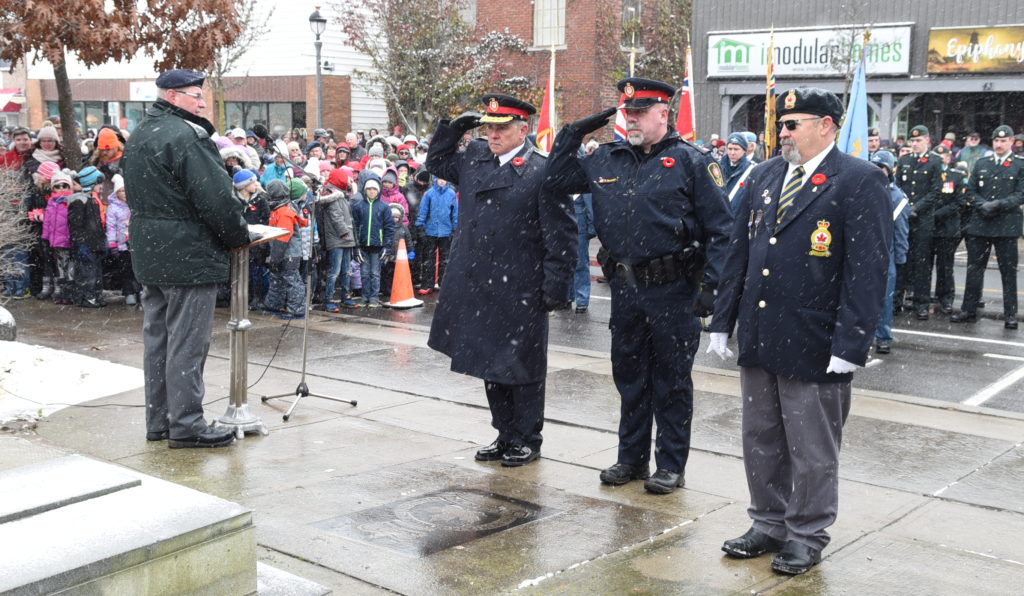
(280, 118)
(94, 115)
(299, 115)
(133, 113)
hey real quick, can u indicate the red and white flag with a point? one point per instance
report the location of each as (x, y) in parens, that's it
(685, 124)
(546, 123)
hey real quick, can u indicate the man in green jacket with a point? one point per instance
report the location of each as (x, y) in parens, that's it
(184, 221)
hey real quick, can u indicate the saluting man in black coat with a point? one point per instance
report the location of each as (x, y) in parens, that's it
(511, 263)
(805, 280)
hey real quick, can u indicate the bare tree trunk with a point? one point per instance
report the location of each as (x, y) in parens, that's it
(71, 149)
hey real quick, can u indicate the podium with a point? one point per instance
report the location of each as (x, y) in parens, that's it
(239, 417)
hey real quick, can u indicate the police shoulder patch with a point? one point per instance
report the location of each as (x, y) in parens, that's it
(716, 174)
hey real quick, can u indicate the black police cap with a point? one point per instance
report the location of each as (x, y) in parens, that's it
(809, 100)
(639, 93)
(500, 108)
(180, 77)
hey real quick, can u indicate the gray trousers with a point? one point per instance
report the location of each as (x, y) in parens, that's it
(791, 435)
(176, 328)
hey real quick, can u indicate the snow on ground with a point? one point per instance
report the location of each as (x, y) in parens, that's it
(55, 379)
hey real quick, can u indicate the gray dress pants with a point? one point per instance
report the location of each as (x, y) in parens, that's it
(791, 435)
(177, 324)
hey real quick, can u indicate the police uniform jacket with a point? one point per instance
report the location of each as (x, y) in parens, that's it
(813, 286)
(185, 216)
(514, 244)
(648, 205)
(921, 179)
(950, 203)
(1001, 181)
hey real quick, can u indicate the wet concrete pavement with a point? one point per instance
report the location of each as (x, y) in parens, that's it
(386, 497)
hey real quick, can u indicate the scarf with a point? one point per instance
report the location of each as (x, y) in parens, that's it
(53, 155)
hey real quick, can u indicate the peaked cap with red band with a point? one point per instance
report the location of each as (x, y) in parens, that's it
(499, 109)
(640, 94)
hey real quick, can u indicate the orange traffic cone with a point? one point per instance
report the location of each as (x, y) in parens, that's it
(401, 284)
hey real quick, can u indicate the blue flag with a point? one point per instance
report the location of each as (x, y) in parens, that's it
(853, 137)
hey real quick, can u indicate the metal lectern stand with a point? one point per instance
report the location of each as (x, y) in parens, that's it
(239, 417)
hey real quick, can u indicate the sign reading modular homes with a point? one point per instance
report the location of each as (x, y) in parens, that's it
(976, 49)
(812, 52)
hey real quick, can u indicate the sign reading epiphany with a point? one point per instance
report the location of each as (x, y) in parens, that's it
(813, 52)
(976, 49)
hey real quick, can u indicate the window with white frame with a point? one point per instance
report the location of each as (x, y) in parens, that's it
(548, 23)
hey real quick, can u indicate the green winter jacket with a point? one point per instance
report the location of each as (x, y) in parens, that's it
(184, 214)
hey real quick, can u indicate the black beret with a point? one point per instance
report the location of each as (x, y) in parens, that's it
(500, 108)
(1001, 132)
(809, 100)
(919, 131)
(180, 77)
(639, 94)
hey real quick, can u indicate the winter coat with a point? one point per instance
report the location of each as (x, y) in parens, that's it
(257, 211)
(184, 214)
(439, 211)
(288, 216)
(394, 195)
(85, 224)
(372, 221)
(55, 223)
(118, 217)
(273, 172)
(335, 219)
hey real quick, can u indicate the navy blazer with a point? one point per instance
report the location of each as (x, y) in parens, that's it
(811, 287)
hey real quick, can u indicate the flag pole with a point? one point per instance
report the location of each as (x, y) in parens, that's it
(769, 99)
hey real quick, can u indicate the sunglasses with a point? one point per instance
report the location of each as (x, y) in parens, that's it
(61, 186)
(792, 124)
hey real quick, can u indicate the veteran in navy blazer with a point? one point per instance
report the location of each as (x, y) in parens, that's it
(803, 282)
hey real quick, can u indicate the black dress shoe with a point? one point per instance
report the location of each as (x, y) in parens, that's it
(620, 474)
(947, 308)
(752, 544)
(922, 314)
(210, 438)
(883, 347)
(964, 317)
(663, 482)
(157, 436)
(519, 455)
(492, 452)
(1010, 322)
(796, 558)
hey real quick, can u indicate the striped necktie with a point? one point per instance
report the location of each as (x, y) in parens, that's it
(789, 193)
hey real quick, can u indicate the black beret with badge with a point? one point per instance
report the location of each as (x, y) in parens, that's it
(809, 100)
(180, 77)
(640, 94)
(1002, 131)
(919, 131)
(500, 109)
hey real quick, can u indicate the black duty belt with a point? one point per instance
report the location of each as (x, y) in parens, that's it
(688, 264)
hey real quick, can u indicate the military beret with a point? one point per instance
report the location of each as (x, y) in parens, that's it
(809, 100)
(180, 77)
(640, 94)
(873, 132)
(919, 131)
(499, 109)
(737, 138)
(940, 150)
(1002, 131)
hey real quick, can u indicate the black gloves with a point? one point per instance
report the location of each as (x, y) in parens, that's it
(466, 122)
(552, 304)
(704, 306)
(989, 208)
(591, 123)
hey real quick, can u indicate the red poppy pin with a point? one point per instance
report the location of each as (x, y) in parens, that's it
(818, 179)
(1006, 164)
(668, 162)
(517, 162)
(742, 184)
(924, 160)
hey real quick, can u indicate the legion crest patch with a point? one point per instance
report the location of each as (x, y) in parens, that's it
(821, 239)
(716, 174)
(790, 101)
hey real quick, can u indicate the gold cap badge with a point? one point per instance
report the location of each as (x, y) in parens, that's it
(628, 90)
(493, 105)
(790, 102)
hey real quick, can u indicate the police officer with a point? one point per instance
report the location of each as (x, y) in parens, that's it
(919, 175)
(804, 279)
(946, 236)
(661, 215)
(511, 262)
(995, 192)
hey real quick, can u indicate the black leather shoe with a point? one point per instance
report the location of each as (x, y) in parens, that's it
(157, 436)
(947, 308)
(964, 317)
(1010, 322)
(663, 482)
(922, 314)
(519, 455)
(210, 438)
(752, 544)
(492, 452)
(620, 474)
(796, 558)
(883, 347)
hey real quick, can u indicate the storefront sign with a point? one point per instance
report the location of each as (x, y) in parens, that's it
(815, 52)
(976, 49)
(144, 91)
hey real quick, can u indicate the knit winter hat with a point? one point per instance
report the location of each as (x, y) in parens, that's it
(89, 177)
(107, 139)
(118, 181)
(243, 178)
(296, 189)
(376, 151)
(377, 166)
(339, 179)
(60, 176)
(277, 189)
(370, 183)
(47, 169)
(48, 132)
(390, 176)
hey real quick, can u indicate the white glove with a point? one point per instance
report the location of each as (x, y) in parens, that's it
(840, 366)
(717, 345)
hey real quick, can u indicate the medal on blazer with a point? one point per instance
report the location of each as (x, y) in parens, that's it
(821, 239)
(764, 197)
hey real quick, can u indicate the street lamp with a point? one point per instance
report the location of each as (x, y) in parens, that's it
(318, 24)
